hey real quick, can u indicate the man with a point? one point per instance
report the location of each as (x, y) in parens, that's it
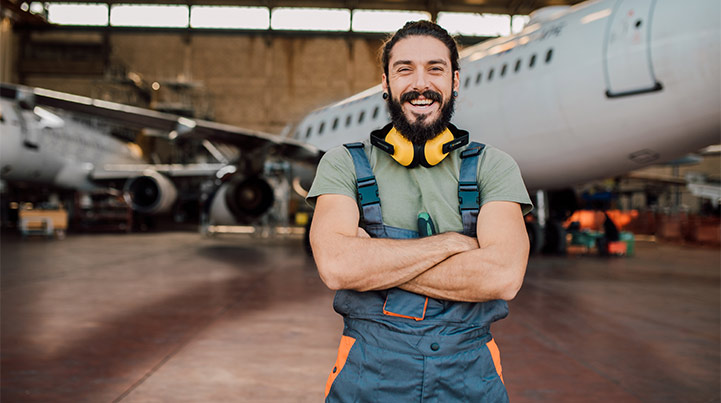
(416, 295)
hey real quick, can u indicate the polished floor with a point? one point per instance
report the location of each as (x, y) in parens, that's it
(178, 318)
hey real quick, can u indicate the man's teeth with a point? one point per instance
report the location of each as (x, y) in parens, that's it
(419, 102)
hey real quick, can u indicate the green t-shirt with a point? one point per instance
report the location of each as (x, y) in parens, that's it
(404, 193)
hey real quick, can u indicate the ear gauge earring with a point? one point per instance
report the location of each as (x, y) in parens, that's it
(455, 93)
(385, 95)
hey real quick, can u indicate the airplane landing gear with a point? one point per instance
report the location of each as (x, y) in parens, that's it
(535, 236)
(554, 238)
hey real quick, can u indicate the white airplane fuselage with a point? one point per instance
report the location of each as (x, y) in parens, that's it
(41, 147)
(597, 90)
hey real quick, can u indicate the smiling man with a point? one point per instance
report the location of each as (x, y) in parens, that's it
(420, 280)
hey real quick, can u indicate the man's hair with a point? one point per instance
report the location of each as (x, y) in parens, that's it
(420, 28)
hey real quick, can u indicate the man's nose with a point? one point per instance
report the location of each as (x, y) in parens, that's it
(420, 82)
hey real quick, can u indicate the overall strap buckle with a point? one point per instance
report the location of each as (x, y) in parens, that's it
(469, 197)
(368, 191)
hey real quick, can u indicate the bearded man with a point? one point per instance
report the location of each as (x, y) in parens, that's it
(420, 281)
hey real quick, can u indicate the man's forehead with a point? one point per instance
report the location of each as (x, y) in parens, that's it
(419, 49)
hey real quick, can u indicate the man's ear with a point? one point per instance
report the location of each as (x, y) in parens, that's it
(456, 80)
(384, 83)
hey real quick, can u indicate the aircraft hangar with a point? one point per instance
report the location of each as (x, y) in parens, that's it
(155, 153)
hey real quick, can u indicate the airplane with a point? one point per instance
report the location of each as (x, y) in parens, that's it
(585, 92)
(64, 141)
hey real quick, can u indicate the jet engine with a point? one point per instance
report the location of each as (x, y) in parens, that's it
(241, 201)
(150, 193)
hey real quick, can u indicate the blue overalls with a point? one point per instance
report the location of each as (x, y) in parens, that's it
(405, 347)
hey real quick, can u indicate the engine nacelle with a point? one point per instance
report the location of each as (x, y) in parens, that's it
(150, 193)
(241, 201)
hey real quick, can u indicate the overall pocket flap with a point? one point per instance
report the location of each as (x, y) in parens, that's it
(405, 304)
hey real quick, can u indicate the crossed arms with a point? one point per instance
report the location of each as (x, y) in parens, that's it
(446, 266)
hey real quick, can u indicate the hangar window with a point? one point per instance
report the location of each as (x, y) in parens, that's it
(361, 116)
(549, 55)
(335, 123)
(533, 61)
(490, 75)
(478, 77)
(149, 15)
(322, 126)
(316, 19)
(375, 113)
(467, 83)
(229, 17)
(503, 69)
(348, 119)
(518, 65)
(78, 14)
(384, 20)
(307, 132)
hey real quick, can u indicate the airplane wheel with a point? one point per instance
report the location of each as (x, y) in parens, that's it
(555, 238)
(535, 236)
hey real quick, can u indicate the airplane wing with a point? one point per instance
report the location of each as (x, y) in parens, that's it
(177, 127)
(125, 171)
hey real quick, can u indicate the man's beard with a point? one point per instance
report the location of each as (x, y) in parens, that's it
(420, 131)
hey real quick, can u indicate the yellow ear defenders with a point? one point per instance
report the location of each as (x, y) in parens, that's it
(411, 155)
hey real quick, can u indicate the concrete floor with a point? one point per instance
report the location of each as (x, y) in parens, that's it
(175, 317)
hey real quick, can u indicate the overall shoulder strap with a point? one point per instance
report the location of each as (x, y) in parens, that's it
(366, 188)
(469, 198)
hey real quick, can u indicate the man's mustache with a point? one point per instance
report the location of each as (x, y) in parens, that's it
(428, 94)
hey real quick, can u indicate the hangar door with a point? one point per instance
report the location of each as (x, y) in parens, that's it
(629, 70)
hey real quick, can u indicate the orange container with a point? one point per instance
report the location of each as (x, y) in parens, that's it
(617, 248)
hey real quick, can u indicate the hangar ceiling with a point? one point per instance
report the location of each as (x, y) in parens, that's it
(432, 6)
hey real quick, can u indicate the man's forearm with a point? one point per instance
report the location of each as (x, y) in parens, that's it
(362, 263)
(473, 276)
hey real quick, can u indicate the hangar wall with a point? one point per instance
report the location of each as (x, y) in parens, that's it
(257, 81)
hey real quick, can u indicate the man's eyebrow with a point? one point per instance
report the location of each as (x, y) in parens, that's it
(408, 62)
(402, 62)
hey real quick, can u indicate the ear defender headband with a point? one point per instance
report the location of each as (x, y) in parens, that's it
(411, 155)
